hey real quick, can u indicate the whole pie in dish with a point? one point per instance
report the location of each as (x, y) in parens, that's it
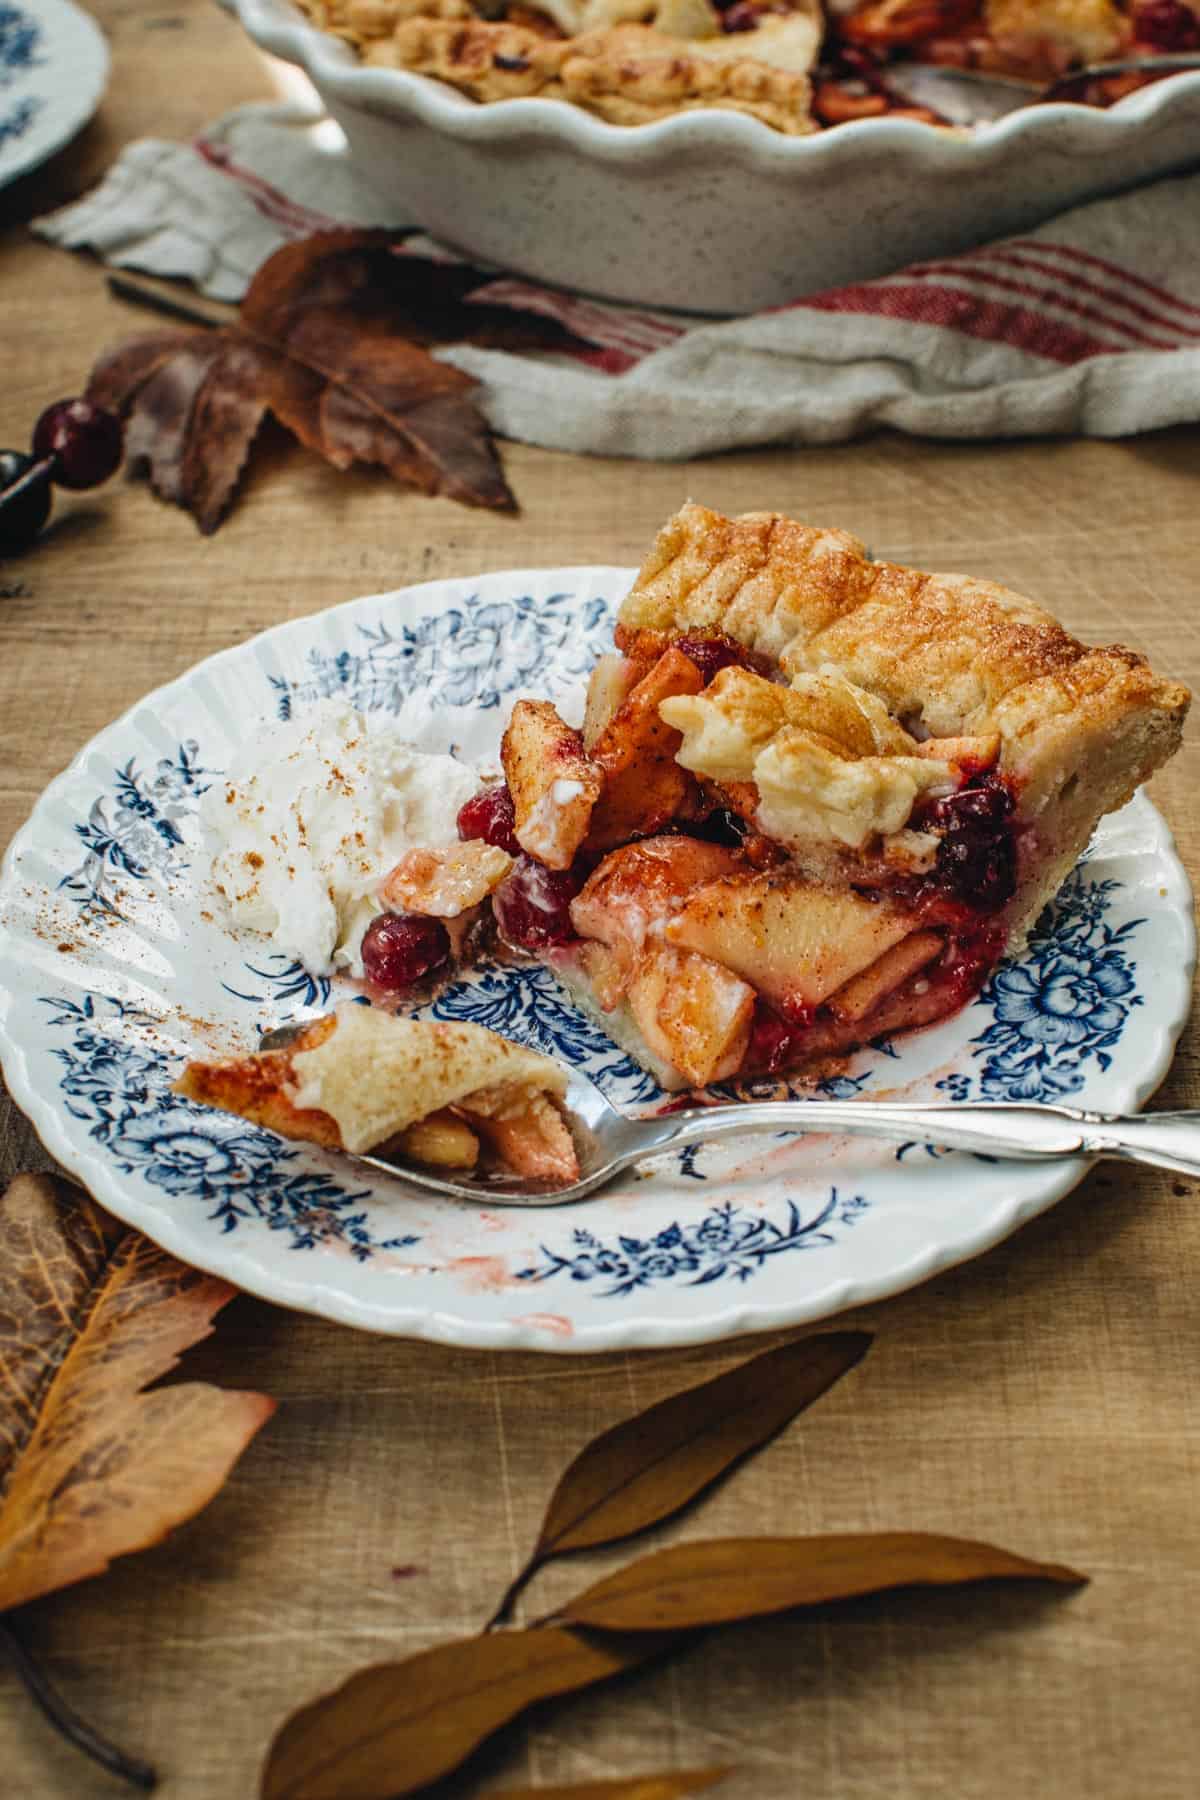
(814, 800)
(440, 1093)
(797, 65)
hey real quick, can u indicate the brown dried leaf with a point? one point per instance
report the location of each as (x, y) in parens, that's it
(227, 413)
(648, 1467)
(723, 1579)
(395, 1727)
(92, 1466)
(669, 1785)
(156, 437)
(367, 274)
(119, 373)
(330, 339)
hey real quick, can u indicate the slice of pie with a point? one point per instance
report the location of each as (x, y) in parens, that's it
(438, 1092)
(815, 798)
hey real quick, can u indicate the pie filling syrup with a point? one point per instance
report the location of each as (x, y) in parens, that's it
(954, 906)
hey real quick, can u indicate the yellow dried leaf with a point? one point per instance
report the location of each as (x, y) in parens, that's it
(395, 1727)
(723, 1579)
(650, 1466)
(91, 1466)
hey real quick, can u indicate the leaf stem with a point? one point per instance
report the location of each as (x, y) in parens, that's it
(77, 1731)
(516, 1586)
(133, 291)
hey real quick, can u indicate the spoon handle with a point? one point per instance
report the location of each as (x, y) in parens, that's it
(1025, 1133)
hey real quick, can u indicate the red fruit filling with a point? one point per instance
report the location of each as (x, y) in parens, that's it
(490, 815)
(1167, 25)
(532, 905)
(400, 949)
(977, 857)
(713, 651)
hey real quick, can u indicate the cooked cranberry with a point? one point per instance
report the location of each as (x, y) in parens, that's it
(1167, 24)
(773, 1041)
(977, 858)
(532, 905)
(399, 949)
(983, 801)
(710, 654)
(713, 651)
(489, 815)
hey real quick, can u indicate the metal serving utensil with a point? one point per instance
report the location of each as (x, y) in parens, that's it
(608, 1143)
(975, 97)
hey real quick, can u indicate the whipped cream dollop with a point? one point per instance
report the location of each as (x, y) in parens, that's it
(310, 817)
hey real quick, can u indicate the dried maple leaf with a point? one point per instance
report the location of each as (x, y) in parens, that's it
(330, 340)
(91, 1465)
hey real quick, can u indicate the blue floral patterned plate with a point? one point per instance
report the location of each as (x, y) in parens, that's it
(114, 965)
(53, 67)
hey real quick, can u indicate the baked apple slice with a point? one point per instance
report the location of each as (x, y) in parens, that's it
(553, 783)
(692, 1013)
(797, 943)
(644, 787)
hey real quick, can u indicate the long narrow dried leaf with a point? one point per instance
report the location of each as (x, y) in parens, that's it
(92, 1467)
(394, 1727)
(723, 1579)
(672, 1784)
(648, 1467)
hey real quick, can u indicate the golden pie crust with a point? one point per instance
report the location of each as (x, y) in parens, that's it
(626, 72)
(1079, 728)
(361, 1078)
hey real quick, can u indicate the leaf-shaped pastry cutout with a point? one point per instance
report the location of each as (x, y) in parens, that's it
(714, 1582)
(92, 1466)
(395, 1727)
(648, 1467)
(670, 1784)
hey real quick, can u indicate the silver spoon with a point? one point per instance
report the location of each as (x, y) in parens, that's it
(976, 97)
(607, 1142)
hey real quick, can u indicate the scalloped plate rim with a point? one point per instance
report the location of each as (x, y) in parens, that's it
(653, 1328)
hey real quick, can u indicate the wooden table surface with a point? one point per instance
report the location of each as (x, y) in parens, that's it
(1044, 1396)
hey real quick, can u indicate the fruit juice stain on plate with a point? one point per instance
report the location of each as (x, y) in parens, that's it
(554, 1323)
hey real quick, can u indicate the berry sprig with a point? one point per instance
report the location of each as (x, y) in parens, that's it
(75, 445)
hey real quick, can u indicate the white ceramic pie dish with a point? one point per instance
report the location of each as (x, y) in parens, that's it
(711, 211)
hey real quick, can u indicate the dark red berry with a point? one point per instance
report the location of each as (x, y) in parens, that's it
(977, 857)
(532, 905)
(84, 440)
(711, 654)
(400, 949)
(24, 501)
(489, 815)
(712, 651)
(1167, 25)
